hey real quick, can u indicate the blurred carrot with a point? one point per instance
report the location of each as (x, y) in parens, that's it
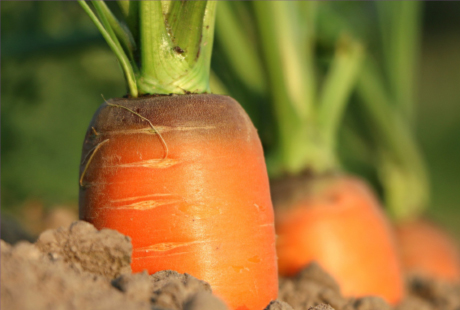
(339, 223)
(427, 250)
(388, 100)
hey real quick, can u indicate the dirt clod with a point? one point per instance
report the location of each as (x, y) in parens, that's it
(313, 286)
(278, 305)
(72, 268)
(425, 293)
(190, 283)
(136, 287)
(321, 307)
(173, 290)
(314, 272)
(371, 303)
(204, 300)
(83, 247)
(33, 280)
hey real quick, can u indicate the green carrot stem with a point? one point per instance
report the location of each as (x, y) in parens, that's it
(130, 11)
(240, 49)
(116, 29)
(116, 48)
(402, 169)
(400, 25)
(166, 66)
(307, 124)
(291, 89)
(338, 85)
(175, 41)
(186, 23)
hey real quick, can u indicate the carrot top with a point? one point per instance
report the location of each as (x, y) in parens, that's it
(164, 47)
(386, 92)
(277, 62)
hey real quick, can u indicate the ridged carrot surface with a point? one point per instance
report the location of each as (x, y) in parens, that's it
(427, 250)
(189, 186)
(339, 224)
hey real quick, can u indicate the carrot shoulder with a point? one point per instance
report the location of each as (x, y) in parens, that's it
(185, 178)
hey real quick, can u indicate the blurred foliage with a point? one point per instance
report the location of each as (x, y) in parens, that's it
(55, 67)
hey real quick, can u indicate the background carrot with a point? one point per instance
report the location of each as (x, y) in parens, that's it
(428, 251)
(338, 222)
(320, 213)
(387, 94)
(182, 175)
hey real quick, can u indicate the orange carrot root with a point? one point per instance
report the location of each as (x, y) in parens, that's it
(339, 224)
(204, 210)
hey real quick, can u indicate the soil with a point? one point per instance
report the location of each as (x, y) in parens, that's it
(313, 286)
(428, 294)
(79, 267)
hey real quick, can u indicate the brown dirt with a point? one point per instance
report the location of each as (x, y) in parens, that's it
(428, 294)
(80, 267)
(313, 287)
(105, 253)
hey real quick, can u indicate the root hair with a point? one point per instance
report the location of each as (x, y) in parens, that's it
(147, 120)
(92, 152)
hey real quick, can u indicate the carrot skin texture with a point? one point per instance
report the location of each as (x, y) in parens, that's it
(428, 251)
(340, 225)
(205, 209)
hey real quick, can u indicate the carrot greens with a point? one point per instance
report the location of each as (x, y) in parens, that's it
(386, 96)
(306, 108)
(164, 47)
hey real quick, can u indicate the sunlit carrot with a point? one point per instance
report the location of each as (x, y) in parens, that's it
(182, 175)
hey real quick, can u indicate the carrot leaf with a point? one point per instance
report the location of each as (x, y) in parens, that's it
(114, 44)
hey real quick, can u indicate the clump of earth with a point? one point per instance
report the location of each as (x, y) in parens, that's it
(79, 267)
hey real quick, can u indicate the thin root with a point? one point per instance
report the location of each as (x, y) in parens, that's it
(150, 123)
(92, 152)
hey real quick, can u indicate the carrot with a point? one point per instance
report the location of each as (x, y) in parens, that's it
(182, 175)
(387, 97)
(339, 224)
(320, 214)
(427, 250)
